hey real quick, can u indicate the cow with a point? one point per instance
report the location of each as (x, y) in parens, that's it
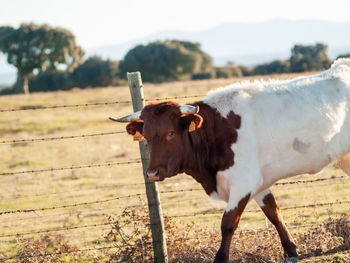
(241, 139)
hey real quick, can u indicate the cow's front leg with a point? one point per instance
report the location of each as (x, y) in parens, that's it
(229, 224)
(271, 209)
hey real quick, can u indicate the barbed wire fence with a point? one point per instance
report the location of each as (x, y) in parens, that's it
(7, 235)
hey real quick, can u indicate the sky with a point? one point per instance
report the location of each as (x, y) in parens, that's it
(105, 22)
(108, 22)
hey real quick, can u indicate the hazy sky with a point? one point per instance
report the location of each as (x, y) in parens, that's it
(97, 23)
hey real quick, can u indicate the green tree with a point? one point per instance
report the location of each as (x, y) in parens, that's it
(246, 70)
(38, 48)
(276, 66)
(50, 81)
(95, 72)
(306, 58)
(228, 71)
(166, 60)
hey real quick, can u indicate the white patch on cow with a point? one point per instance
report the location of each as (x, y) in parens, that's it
(260, 197)
(214, 196)
(244, 176)
(223, 187)
(314, 109)
(220, 197)
(216, 201)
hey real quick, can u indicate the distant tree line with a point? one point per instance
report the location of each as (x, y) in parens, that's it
(303, 58)
(94, 72)
(49, 59)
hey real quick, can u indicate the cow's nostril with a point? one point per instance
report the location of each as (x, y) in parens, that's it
(153, 175)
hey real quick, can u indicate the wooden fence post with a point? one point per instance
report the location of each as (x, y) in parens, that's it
(155, 209)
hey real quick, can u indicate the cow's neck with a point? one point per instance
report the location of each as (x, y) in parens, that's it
(210, 146)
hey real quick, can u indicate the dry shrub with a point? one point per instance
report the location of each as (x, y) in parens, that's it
(49, 248)
(189, 242)
(340, 228)
(329, 237)
(131, 234)
(256, 246)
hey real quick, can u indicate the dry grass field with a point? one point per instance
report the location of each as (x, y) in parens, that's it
(89, 214)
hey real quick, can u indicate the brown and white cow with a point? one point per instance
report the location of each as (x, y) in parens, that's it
(239, 140)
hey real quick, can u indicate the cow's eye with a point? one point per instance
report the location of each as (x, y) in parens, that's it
(171, 135)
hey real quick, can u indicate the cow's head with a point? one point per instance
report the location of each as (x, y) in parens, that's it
(166, 127)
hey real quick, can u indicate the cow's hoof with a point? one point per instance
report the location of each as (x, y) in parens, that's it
(290, 260)
(221, 257)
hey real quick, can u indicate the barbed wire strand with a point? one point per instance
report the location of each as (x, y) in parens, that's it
(91, 234)
(258, 210)
(27, 108)
(54, 230)
(59, 137)
(314, 180)
(86, 189)
(72, 167)
(75, 212)
(57, 253)
(176, 97)
(91, 202)
(66, 206)
(177, 180)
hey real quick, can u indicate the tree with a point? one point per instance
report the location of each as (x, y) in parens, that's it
(228, 71)
(95, 72)
(306, 58)
(166, 60)
(276, 66)
(38, 48)
(50, 81)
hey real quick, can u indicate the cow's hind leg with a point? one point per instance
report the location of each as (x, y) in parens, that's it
(343, 162)
(271, 209)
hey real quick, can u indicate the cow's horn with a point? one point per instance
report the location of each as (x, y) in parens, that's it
(188, 109)
(132, 117)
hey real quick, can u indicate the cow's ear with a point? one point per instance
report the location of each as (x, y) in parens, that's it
(192, 122)
(134, 128)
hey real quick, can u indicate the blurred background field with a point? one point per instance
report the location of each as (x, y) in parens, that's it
(79, 207)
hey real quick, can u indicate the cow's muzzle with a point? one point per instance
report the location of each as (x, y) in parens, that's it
(153, 176)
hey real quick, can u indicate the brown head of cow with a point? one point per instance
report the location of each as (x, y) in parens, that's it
(166, 127)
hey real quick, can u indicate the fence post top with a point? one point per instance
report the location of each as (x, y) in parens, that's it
(134, 77)
(133, 73)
